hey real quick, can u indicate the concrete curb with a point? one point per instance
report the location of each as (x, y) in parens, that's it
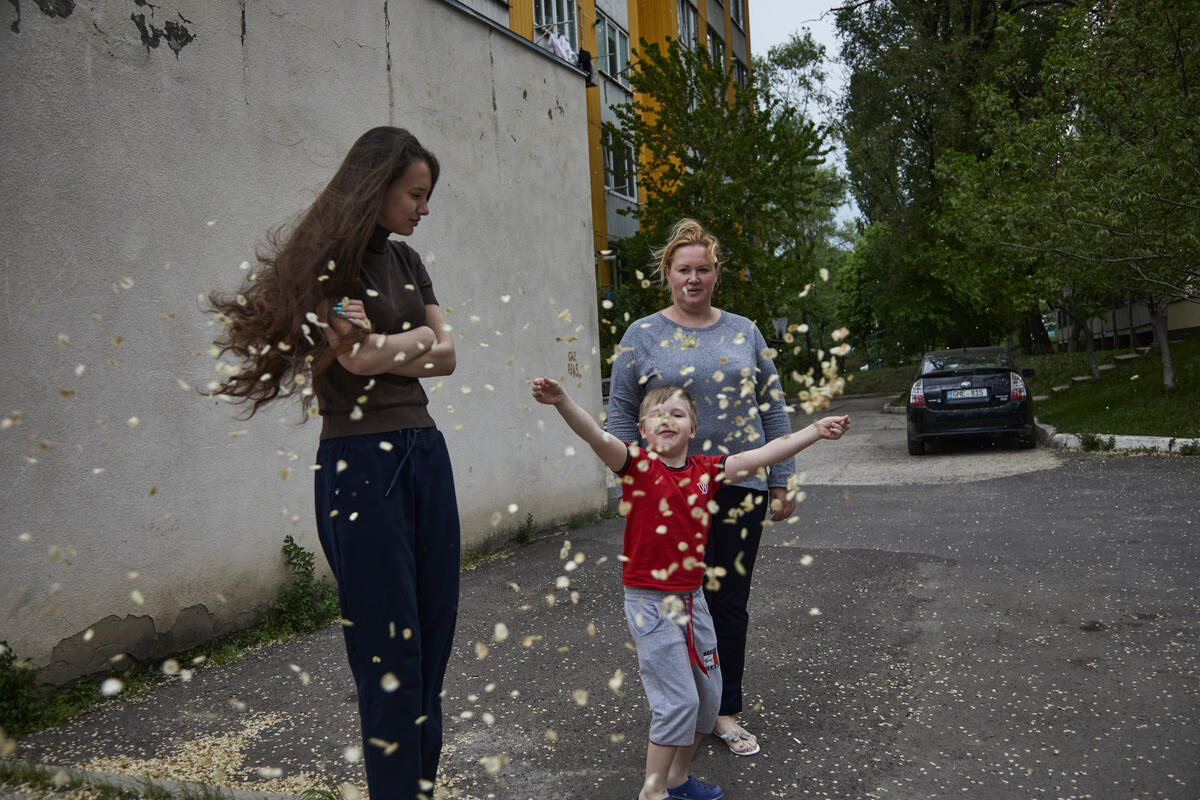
(135, 783)
(1050, 437)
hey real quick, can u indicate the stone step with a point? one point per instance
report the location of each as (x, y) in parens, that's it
(1104, 367)
(1126, 356)
(1062, 388)
(1082, 378)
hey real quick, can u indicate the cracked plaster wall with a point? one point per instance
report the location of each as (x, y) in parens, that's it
(149, 147)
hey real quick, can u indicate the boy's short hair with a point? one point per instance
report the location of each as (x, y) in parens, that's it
(662, 394)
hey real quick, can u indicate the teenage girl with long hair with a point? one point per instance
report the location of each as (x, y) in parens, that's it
(347, 318)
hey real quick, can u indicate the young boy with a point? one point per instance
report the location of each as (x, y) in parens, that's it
(665, 499)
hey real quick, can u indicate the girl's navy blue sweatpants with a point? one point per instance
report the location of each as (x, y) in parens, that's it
(388, 522)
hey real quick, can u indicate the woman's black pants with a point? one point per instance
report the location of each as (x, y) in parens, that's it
(388, 523)
(733, 544)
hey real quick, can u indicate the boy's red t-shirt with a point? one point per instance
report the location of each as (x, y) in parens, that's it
(667, 519)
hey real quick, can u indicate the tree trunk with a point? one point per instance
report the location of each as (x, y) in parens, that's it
(1158, 313)
(814, 363)
(1129, 310)
(1035, 340)
(1090, 344)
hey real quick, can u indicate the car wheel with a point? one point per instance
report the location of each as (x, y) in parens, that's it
(916, 447)
(1028, 442)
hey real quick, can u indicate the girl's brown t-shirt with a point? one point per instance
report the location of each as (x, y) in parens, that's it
(395, 288)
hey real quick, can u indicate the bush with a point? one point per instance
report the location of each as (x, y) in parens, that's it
(19, 697)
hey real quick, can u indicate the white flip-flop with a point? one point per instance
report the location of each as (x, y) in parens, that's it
(735, 735)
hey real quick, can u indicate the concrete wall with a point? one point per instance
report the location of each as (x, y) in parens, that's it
(148, 149)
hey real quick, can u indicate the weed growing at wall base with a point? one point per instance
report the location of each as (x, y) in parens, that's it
(305, 604)
(526, 531)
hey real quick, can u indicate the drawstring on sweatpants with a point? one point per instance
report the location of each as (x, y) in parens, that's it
(410, 441)
(693, 654)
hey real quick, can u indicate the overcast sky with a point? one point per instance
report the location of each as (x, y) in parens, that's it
(773, 22)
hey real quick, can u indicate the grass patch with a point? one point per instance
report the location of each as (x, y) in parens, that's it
(1117, 404)
(1057, 369)
(475, 557)
(1053, 369)
(881, 380)
(304, 605)
(1129, 399)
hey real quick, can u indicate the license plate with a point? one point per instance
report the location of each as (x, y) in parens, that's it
(965, 394)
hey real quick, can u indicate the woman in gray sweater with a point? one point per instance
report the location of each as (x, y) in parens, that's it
(723, 361)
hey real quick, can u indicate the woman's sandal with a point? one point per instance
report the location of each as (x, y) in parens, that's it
(733, 739)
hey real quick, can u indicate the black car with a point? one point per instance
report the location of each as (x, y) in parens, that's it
(970, 391)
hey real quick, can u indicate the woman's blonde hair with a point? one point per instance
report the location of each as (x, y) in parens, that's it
(685, 232)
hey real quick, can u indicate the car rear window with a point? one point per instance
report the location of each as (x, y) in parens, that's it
(954, 362)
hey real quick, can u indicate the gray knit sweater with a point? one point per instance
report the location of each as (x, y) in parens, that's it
(725, 370)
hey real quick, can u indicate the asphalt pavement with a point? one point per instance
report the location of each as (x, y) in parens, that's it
(982, 622)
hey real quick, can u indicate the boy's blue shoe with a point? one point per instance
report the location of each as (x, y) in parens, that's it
(693, 789)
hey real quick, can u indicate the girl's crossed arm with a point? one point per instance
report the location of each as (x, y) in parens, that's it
(612, 451)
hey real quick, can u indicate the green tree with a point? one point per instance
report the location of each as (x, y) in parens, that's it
(742, 162)
(1095, 177)
(912, 63)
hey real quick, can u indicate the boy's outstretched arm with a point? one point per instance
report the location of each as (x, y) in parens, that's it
(739, 465)
(612, 451)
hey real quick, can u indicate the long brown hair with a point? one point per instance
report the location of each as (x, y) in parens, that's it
(272, 324)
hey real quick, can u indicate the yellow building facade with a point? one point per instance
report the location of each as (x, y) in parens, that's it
(609, 32)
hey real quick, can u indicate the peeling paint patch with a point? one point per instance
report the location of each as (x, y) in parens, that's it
(118, 642)
(175, 34)
(56, 8)
(51, 8)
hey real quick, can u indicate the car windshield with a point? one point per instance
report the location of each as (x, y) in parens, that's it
(965, 360)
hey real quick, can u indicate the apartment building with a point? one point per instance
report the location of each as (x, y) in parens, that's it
(608, 32)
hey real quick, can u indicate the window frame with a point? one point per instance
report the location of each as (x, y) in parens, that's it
(741, 73)
(619, 161)
(689, 35)
(737, 13)
(716, 47)
(542, 24)
(604, 58)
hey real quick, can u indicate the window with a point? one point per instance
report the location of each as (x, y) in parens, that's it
(613, 44)
(740, 73)
(737, 13)
(688, 25)
(716, 47)
(555, 17)
(620, 167)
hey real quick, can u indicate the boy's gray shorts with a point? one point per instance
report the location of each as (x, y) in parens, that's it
(683, 700)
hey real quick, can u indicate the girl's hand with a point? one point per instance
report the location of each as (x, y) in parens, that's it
(351, 311)
(832, 427)
(548, 391)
